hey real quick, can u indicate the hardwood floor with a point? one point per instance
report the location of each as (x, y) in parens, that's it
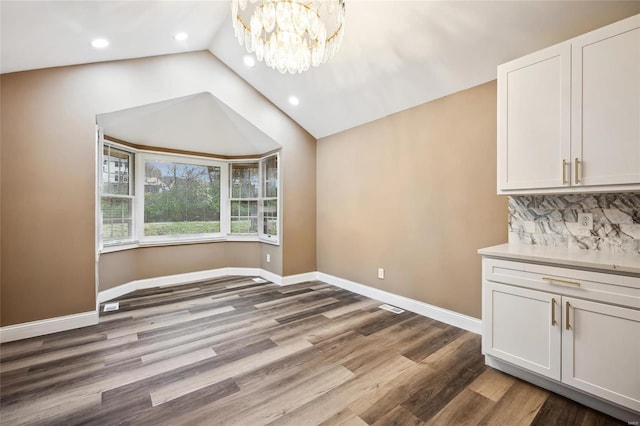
(233, 351)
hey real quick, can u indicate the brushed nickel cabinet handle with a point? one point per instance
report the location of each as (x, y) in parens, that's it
(561, 282)
(566, 322)
(553, 311)
(564, 172)
(576, 172)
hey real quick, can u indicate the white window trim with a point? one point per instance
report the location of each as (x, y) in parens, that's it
(267, 238)
(139, 240)
(249, 236)
(131, 153)
(139, 201)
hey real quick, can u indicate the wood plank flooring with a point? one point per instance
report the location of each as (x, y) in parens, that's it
(232, 351)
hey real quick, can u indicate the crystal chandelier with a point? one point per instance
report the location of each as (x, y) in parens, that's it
(289, 35)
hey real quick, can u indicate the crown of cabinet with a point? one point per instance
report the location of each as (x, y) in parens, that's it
(569, 115)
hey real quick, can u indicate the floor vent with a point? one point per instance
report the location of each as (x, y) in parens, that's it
(259, 280)
(108, 307)
(391, 309)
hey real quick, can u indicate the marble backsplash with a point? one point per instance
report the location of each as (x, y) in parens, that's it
(552, 220)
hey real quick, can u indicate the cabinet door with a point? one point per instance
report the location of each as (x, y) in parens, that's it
(534, 101)
(601, 350)
(606, 105)
(522, 327)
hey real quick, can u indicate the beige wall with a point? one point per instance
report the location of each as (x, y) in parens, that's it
(414, 193)
(48, 169)
(299, 202)
(150, 262)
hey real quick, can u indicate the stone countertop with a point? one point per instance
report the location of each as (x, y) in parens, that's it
(626, 263)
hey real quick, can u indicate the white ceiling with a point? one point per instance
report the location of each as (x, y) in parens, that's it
(395, 54)
(188, 122)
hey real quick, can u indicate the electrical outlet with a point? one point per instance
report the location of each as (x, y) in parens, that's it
(268, 258)
(381, 273)
(585, 221)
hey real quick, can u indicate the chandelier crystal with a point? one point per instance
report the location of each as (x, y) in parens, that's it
(289, 35)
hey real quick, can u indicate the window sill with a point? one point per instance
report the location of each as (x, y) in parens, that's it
(179, 242)
(239, 237)
(255, 238)
(119, 247)
(272, 241)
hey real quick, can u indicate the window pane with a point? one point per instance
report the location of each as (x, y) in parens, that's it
(270, 217)
(117, 168)
(181, 198)
(270, 166)
(244, 180)
(116, 219)
(244, 217)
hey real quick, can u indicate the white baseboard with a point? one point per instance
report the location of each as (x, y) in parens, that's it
(244, 272)
(169, 280)
(456, 319)
(269, 276)
(131, 286)
(47, 326)
(449, 317)
(191, 277)
(112, 293)
(299, 278)
(53, 325)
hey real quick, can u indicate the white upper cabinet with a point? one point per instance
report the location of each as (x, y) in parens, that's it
(606, 105)
(534, 127)
(569, 115)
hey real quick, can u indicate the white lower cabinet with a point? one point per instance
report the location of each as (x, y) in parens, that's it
(541, 320)
(601, 350)
(524, 328)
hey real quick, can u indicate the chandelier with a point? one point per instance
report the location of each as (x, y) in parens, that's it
(289, 35)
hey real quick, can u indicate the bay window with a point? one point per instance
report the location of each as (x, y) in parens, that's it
(156, 198)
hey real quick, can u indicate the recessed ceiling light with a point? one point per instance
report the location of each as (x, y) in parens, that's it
(100, 43)
(294, 100)
(249, 60)
(181, 36)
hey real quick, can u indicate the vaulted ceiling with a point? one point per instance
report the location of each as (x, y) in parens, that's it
(395, 54)
(185, 123)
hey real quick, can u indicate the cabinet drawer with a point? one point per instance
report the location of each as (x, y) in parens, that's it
(602, 287)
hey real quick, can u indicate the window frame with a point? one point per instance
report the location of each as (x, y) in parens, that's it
(131, 196)
(231, 199)
(263, 198)
(139, 201)
(137, 182)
